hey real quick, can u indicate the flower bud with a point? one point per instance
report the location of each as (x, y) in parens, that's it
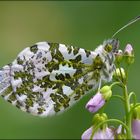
(106, 92)
(99, 99)
(95, 103)
(136, 122)
(100, 118)
(129, 54)
(136, 112)
(119, 56)
(128, 49)
(119, 73)
(136, 128)
(121, 137)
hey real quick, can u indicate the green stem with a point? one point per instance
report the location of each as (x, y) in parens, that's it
(127, 99)
(115, 83)
(134, 97)
(109, 120)
(127, 68)
(127, 112)
(119, 97)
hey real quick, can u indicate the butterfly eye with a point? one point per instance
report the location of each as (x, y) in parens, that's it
(108, 48)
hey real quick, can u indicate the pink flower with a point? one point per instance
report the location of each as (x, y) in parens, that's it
(136, 128)
(129, 54)
(128, 49)
(95, 103)
(98, 100)
(100, 134)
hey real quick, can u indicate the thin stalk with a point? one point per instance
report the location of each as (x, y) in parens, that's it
(127, 112)
(115, 83)
(134, 97)
(119, 97)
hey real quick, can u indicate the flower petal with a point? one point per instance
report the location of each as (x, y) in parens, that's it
(100, 134)
(104, 134)
(128, 49)
(95, 103)
(136, 128)
(86, 135)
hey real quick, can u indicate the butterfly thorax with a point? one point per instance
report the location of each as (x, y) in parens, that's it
(103, 64)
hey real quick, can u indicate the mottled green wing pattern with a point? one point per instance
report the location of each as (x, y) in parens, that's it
(48, 78)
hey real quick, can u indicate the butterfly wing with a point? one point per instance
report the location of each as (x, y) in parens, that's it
(48, 78)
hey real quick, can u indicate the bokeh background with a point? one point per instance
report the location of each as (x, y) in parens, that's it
(83, 24)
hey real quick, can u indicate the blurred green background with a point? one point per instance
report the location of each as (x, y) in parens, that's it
(82, 24)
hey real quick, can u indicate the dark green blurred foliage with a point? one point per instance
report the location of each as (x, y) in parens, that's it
(82, 24)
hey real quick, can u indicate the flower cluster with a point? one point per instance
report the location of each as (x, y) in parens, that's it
(103, 132)
(130, 128)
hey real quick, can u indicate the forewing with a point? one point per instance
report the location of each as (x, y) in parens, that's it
(48, 78)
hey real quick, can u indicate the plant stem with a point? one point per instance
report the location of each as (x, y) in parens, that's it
(115, 83)
(119, 97)
(134, 97)
(127, 112)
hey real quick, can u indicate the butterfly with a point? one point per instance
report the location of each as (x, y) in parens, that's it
(48, 78)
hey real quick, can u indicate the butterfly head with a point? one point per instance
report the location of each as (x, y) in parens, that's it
(111, 45)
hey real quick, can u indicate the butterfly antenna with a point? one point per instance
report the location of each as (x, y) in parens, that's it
(129, 23)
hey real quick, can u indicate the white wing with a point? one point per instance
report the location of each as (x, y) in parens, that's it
(48, 78)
